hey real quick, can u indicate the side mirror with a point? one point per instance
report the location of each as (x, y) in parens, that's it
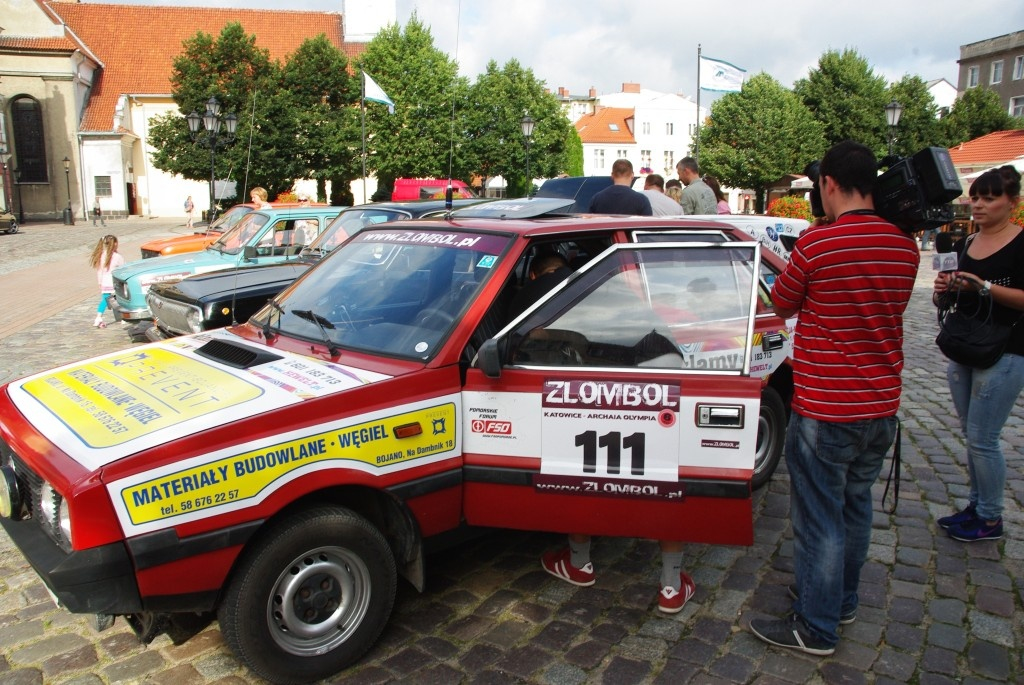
(249, 253)
(488, 358)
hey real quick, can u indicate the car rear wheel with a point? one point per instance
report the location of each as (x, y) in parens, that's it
(310, 596)
(771, 436)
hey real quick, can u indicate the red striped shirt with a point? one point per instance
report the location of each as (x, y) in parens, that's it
(850, 282)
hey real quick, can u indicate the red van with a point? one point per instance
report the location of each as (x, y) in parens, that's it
(428, 189)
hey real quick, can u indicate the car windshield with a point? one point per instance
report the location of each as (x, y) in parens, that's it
(226, 221)
(350, 222)
(397, 293)
(243, 232)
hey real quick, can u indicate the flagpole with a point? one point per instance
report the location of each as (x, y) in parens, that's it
(696, 139)
(362, 110)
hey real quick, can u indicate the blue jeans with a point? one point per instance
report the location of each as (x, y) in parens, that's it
(832, 467)
(984, 399)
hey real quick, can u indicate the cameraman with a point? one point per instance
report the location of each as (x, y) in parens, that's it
(849, 281)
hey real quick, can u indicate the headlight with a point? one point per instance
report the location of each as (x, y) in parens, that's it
(56, 515)
(194, 318)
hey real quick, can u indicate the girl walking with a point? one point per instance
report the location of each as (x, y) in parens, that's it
(105, 258)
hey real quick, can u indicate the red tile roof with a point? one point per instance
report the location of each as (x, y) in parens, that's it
(140, 60)
(995, 148)
(598, 127)
(38, 44)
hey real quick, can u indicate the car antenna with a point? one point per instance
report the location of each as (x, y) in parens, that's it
(245, 189)
(448, 204)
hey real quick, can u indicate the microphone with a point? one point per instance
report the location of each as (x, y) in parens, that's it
(945, 258)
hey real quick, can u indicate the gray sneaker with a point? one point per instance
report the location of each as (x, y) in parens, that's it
(791, 633)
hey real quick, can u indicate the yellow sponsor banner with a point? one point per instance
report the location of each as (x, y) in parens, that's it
(379, 443)
(111, 401)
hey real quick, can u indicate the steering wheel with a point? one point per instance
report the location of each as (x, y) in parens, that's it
(433, 318)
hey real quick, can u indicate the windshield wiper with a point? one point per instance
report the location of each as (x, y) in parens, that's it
(323, 324)
(268, 331)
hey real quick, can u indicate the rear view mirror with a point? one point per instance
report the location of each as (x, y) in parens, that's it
(488, 358)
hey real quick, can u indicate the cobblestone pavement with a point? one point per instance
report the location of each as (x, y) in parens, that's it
(933, 611)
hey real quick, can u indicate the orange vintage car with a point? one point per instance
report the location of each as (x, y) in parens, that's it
(199, 240)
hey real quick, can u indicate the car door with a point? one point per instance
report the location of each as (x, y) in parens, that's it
(622, 403)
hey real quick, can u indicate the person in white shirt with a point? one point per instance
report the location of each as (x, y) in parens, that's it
(661, 204)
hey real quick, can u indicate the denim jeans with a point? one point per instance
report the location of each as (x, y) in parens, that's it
(984, 399)
(832, 467)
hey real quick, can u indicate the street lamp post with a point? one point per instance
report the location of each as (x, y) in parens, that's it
(21, 206)
(893, 111)
(526, 124)
(213, 139)
(5, 157)
(69, 217)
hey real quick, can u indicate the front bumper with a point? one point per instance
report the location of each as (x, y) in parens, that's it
(123, 313)
(100, 580)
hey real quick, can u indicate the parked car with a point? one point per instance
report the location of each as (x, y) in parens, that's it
(284, 472)
(8, 223)
(202, 239)
(406, 189)
(262, 236)
(206, 301)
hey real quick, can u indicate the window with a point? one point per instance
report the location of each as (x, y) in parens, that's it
(621, 154)
(1017, 107)
(997, 72)
(1018, 67)
(670, 129)
(29, 143)
(102, 184)
(670, 162)
(645, 128)
(613, 127)
(599, 159)
(972, 77)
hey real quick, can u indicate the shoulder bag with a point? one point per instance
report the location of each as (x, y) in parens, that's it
(970, 335)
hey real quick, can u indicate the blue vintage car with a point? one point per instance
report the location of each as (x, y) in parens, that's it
(265, 236)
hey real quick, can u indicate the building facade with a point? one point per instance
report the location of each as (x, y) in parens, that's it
(72, 87)
(998, 64)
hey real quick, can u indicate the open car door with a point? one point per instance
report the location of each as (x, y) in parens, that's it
(622, 402)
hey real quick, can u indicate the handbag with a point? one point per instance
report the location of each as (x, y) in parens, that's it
(971, 336)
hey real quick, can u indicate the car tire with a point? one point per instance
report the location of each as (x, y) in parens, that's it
(310, 596)
(13, 229)
(771, 437)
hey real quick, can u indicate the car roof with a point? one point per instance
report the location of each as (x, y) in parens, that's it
(566, 225)
(418, 208)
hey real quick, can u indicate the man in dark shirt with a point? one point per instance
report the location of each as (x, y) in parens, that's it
(620, 198)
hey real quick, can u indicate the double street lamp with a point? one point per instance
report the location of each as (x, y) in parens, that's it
(893, 111)
(213, 139)
(69, 217)
(526, 124)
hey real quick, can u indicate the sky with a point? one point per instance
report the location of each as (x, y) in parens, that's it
(579, 44)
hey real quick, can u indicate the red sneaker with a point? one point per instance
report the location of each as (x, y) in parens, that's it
(672, 601)
(558, 565)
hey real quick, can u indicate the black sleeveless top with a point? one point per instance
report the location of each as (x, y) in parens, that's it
(1005, 267)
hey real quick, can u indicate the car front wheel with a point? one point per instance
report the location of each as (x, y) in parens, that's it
(310, 596)
(771, 436)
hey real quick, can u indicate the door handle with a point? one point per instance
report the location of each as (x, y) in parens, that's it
(719, 416)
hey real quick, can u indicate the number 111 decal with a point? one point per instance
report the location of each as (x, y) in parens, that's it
(614, 444)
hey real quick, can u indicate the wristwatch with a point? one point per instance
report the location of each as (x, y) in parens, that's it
(985, 288)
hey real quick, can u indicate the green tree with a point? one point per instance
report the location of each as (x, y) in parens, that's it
(325, 102)
(495, 144)
(919, 126)
(977, 112)
(573, 153)
(242, 77)
(846, 96)
(757, 135)
(423, 82)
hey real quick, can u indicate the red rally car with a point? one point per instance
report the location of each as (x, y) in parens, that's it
(283, 473)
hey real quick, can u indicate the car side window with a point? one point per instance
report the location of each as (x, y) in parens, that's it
(667, 308)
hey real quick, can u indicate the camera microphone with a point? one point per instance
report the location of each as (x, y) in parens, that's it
(945, 258)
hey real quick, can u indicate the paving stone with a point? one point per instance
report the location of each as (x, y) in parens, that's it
(991, 628)
(894, 665)
(524, 661)
(994, 601)
(733, 667)
(989, 660)
(842, 673)
(622, 670)
(133, 667)
(45, 648)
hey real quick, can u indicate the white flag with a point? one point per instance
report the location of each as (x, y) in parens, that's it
(721, 76)
(374, 93)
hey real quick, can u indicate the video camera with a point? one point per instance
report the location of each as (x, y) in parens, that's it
(913, 193)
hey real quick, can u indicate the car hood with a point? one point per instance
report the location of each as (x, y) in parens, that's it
(190, 262)
(203, 286)
(104, 409)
